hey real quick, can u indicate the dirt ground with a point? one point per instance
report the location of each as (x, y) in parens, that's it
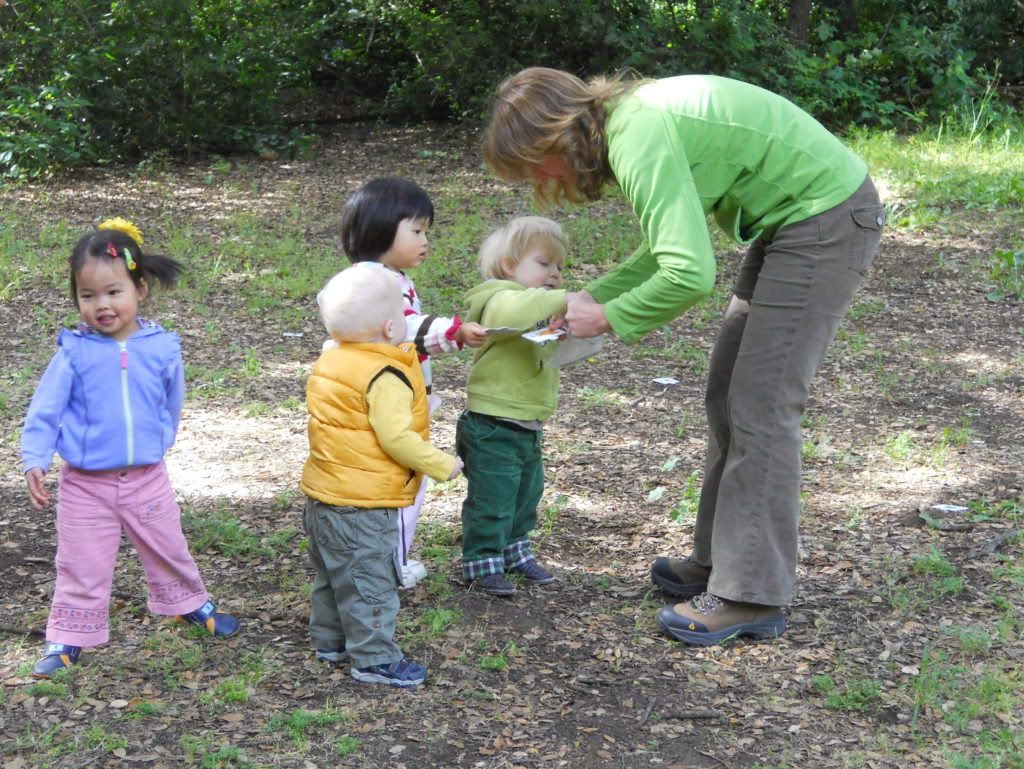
(920, 402)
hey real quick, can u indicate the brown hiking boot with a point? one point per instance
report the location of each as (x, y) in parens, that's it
(707, 620)
(680, 576)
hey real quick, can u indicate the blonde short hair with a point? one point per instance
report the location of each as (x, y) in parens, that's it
(357, 302)
(540, 112)
(508, 244)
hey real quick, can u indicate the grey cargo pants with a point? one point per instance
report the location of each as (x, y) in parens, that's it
(789, 300)
(355, 590)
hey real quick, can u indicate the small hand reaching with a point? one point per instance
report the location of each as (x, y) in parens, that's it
(457, 469)
(37, 490)
(471, 334)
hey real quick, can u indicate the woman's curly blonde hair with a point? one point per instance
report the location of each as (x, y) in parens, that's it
(540, 112)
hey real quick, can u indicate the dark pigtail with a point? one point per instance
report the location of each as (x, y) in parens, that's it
(115, 244)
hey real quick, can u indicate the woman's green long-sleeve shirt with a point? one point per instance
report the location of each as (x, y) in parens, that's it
(685, 147)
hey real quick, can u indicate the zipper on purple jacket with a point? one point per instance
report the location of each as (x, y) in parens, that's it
(127, 403)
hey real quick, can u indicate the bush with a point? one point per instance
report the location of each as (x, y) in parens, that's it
(90, 81)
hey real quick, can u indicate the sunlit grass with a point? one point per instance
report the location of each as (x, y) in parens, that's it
(940, 168)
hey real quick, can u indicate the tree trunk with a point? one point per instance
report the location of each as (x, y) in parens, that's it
(799, 20)
(848, 24)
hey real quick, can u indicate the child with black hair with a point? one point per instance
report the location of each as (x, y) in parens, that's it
(109, 403)
(386, 223)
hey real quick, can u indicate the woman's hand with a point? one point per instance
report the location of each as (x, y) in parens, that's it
(471, 334)
(585, 317)
(37, 491)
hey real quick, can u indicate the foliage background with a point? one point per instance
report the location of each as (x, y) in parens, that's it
(85, 82)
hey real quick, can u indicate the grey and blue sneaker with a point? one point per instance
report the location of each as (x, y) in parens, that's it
(406, 673)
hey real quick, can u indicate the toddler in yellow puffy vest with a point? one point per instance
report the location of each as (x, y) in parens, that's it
(369, 447)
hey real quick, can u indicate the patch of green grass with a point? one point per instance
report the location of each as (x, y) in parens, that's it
(47, 689)
(219, 530)
(280, 540)
(938, 168)
(205, 382)
(430, 624)
(976, 701)
(933, 564)
(901, 447)
(685, 509)
(599, 397)
(1007, 272)
(299, 722)
(854, 339)
(859, 310)
(255, 409)
(142, 710)
(1010, 510)
(348, 746)
(496, 663)
(174, 653)
(858, 694)
(676, 349)
(234, 689)
(98, 738)
(549, 516)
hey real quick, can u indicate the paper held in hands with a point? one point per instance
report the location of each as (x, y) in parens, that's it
(499, 331)
(570, 349)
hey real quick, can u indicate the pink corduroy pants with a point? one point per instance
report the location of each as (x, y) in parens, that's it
(93, 508)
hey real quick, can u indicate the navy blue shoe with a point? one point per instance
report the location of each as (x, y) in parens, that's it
(216, 623)
(533, 573)
(494, 584)
(56, 657)
(406, 673)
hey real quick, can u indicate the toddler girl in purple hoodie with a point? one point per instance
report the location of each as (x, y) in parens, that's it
(109, 403)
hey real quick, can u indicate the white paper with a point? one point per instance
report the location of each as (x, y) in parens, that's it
(544, 335)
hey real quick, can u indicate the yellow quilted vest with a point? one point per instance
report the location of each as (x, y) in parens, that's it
(346, 465)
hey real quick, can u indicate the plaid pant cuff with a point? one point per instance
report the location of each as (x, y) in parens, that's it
(517, 554)
(472, 570)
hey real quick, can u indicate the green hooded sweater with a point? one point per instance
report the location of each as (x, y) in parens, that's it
(687, 147)
(509, 377)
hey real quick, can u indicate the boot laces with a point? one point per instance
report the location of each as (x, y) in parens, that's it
(706, 603)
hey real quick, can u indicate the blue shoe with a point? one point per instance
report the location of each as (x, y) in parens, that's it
(533, 573)
(405, 673)
(216, 623)
(56, 657)
(494, 584)
(332, 656)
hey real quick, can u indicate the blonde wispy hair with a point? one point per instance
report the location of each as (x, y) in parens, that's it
(507, 245)
(357, 302)
(540, 112)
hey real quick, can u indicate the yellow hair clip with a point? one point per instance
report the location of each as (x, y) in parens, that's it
(122, 225)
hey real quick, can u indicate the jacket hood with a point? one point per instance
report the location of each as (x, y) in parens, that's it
(478, 296)
(84, 331)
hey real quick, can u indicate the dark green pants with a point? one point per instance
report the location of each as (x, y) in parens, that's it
(505, 471)
(355, 590)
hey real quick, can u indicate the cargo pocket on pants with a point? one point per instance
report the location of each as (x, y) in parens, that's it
(867, 233)
(376, 580)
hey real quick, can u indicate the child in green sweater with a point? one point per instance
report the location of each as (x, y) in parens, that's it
(511, 392)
